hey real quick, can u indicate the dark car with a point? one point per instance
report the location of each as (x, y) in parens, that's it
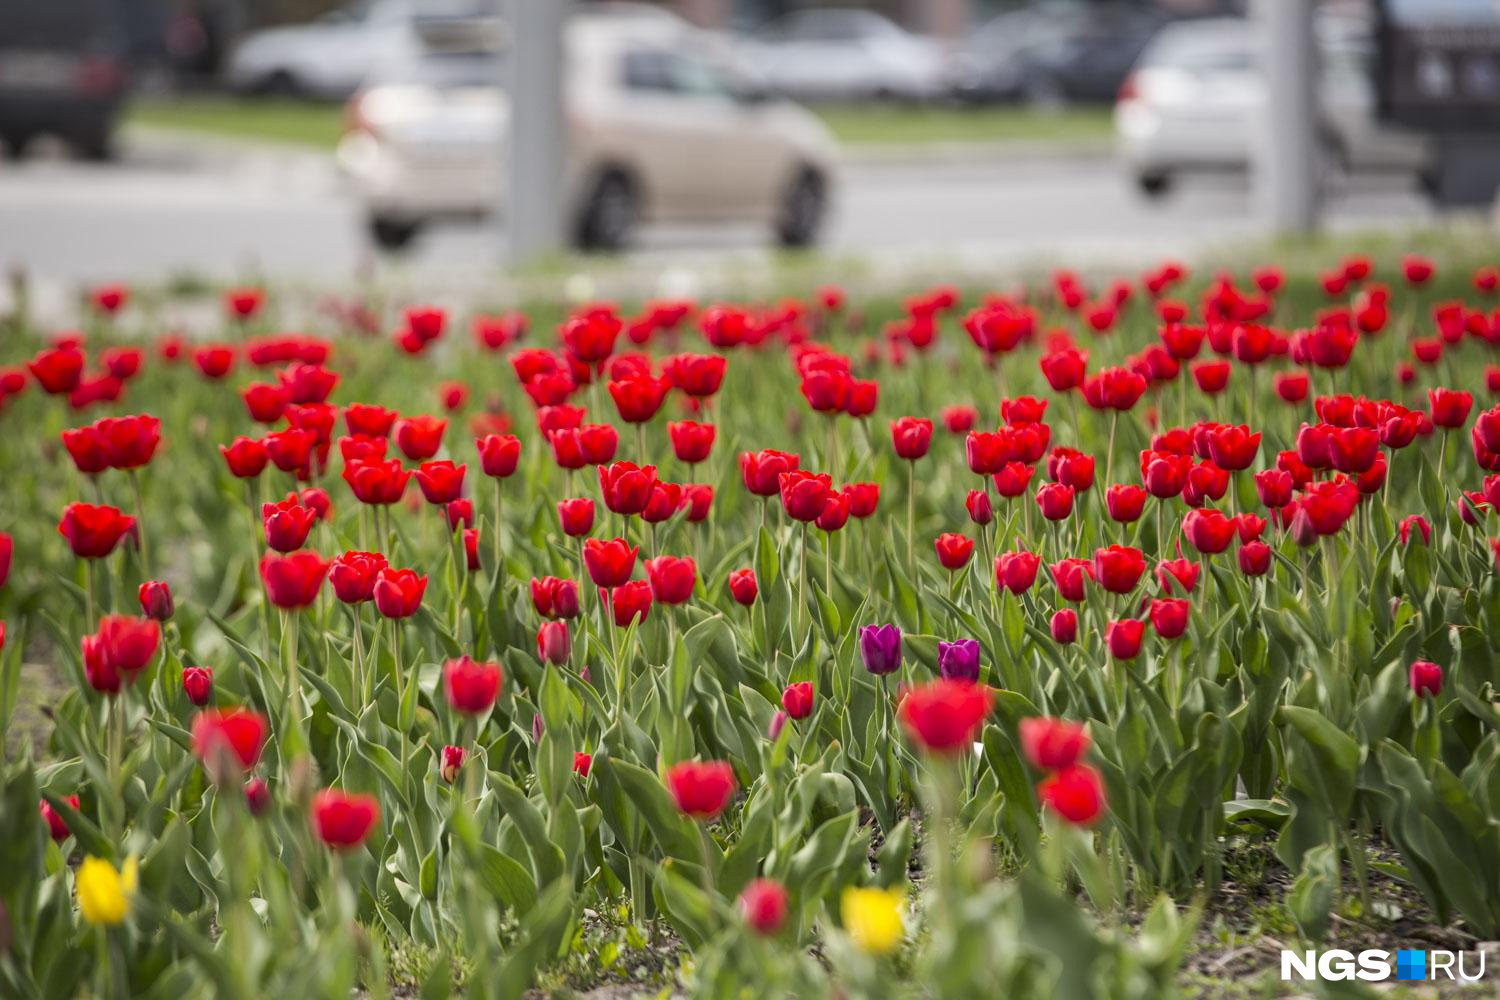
(1052, 54)
(63, 72)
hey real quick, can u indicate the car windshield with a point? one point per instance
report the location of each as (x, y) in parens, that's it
(1199, 49)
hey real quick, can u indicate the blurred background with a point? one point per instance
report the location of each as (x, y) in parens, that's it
(320, 140)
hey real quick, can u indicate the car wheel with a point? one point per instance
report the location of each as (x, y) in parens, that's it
(280, 83)
(802, 210)
(1154, 185)
(96, 144)
(391, 233)
(609, 214)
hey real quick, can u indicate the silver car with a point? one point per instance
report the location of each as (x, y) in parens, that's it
(1191, 104)
(660, 128)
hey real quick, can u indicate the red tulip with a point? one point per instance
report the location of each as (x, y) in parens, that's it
(1426, 679)
(1071, 468)
(1013, 479)
(764, 905)
(287, 523)
(58, 370)
(471, 686)
(630, 602)
(762, 470)
(700, 789)
(377, 483)
(576, 516)
(638, 398)
(977, 503)
(1417, 269)
(420, 437)
(87, 450)
(555, 598)
(697, 375)
(804, 494)
(554, 643)
(1209, 531)
(498, 454)
(342, 820)
(986, 452)
(1065, 369)
(94, 531)
(292, 581)
(243, 303)
(1232, 447)
(945, 716)
(291, 450)
(665, 501)
(1123, 636)
(214, 360)
(1069, 576)
(691, 441)
(743, 587)
(1450, 407)
(582, 763)
(198, 684)
(1114, 389)
(1178, 574)
(7, 549)
(155, 596)
(1118, 568)
(119, 650)
(1419, 524)
(1125, 503)
(958, 419)
(627, 487)
(1064, 626)
(1016, 571)
(57, 827)
(1292, 387)
(1255, 558)
(398, 592)
(610, 563)
(353, 575)
(911, 436)
(953, 551)
(863, 499)
(1169, 616)
(369, 420)
(1055, 500)
(229, 741)
(671, 578)
(1053, 744)
(1211, 376)
(797, 699)
(1075, 793)
(441, 482)
(452, 762)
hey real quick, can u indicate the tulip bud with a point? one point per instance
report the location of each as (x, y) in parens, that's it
(453, 759)
(553, 643)
(156, 600)
(797, 699)
(538, 727)
(198, 684)
(764, 904)
(1426, 679)
(778, 723)
(257, 795)
(582, 762)
(743, 587)
(1065, 626)
(978, 504)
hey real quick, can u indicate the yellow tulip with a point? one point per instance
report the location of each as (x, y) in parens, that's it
(873, 918)
(104, 893)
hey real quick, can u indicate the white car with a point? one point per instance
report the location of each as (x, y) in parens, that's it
(329, 57)
(1192, 101)
(836, 54)
(660, 128)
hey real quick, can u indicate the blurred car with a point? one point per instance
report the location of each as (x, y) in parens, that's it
(660, 128)
(831, 53)
(1053, 53)
(329, 57)
(62, 73)
(1191, 104)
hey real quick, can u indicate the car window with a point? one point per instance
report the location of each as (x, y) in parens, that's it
(663, 71)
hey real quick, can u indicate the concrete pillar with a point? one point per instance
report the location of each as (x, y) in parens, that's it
(537, 137)
(1284, 159)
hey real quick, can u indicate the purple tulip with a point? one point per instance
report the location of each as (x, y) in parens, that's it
(959, 660)
(880, 648)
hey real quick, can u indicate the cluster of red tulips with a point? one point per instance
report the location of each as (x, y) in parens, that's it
(1239, 510)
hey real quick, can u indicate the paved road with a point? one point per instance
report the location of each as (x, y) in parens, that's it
(174, 206)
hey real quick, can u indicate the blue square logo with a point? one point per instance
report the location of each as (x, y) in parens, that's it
(1411, 965)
